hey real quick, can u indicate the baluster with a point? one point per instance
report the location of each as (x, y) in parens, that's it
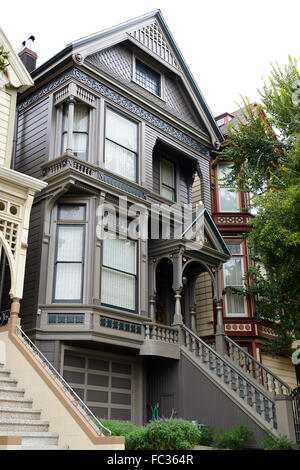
(159, 333)
(241, 387)
(147, 332)
(280, 388)
(258, 402)
(193, 345)
(233, 380)
(153, 333)
(230, 351)
(204, 355)
(273, 385)
(249, 395)
(251, 368)
(163, 334)
(168, 336)
(265, 379)
(188, 339)
(267, 410)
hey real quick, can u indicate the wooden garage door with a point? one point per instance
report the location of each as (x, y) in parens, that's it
(105, 385)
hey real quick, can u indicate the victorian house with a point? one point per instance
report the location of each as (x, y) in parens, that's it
(118, 129)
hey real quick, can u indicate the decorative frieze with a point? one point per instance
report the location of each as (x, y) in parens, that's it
(238, 327)
(65, 318)
(112, 95)
(121, 325)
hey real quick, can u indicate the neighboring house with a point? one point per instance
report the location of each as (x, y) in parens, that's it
(117, 126)
(231, 212)
(16, 189)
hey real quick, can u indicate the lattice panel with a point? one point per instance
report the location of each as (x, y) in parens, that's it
(10, 231)
(151, 37)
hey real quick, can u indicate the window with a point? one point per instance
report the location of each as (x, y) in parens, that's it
(69, 259)
(233, 277)
(147, 78)
(119, 272)
(228, 199)
(80, 132)
(168, 182)
(121, 145)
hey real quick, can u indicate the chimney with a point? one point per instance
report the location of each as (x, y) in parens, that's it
(27, 55)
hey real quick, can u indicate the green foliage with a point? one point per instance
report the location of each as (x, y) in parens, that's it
(234, 440)
(206, 436)
(164, 434)
(271, 442)
(118, 428)
(3, 58)
(265, 150)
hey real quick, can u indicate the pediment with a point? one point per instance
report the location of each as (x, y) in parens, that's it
(150, 35)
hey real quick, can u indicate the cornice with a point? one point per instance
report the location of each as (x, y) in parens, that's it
(115, 97)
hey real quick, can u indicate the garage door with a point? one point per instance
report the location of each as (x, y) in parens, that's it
(105, 385)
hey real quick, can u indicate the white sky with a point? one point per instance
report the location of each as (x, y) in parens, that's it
(227, 44)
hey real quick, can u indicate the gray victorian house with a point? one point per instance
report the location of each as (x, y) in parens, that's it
(116, 121)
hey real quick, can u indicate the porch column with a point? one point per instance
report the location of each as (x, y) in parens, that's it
(221, 347)
(152, 289)
(14, 319)
(177, 287)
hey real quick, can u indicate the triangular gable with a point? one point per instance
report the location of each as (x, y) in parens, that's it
(16, 75)
(152, 37)
(204, 231)
(151, 34)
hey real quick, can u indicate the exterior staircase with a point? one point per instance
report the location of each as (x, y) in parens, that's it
(19, 418)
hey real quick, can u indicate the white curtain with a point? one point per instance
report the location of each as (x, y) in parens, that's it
(233, 274)
(69, 262)
(121, 130)
(228, 199)
(119, 273)
(120, 160)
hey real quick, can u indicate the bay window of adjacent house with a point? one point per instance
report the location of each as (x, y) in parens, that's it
(168, 180)
(119, 272)
(69, 256)
(79, 114)
(121, 145)
(233, 271)
(228, 199)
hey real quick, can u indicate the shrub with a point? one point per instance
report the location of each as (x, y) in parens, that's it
(271, 442)
(206, 435)
(234, 440)
(118, 428)
(164, 434)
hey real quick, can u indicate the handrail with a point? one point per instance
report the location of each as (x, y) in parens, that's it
(263, 374)
(62, 384)
(242, 386)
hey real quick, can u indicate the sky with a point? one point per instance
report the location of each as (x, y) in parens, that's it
(227, 44)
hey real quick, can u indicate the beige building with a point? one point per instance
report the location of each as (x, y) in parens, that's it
(16, 190)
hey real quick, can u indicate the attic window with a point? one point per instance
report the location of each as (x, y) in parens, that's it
(147, 78)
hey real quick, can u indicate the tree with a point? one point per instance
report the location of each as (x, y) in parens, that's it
(264, 148)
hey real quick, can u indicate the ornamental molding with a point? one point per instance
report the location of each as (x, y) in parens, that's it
(114, 96)
(238, 327)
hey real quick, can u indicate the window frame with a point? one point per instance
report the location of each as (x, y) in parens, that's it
(174, 189)
(87, 133)
(242, 256)
(137, 153)
(238, 198)
(148, 64)
(136, 276)
(71, 223)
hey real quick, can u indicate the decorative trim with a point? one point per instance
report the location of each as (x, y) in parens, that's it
(118, 99)
(121, 325)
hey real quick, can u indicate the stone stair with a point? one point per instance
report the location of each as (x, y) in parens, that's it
(18, 418)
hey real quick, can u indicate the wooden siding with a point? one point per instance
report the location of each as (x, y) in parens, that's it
(281, 366)
(29, 303)
(32, 139)
(5, 105)
(204, 305)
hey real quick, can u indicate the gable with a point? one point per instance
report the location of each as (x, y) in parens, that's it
(117, 61)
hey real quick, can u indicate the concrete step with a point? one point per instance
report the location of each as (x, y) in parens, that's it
(8, 382)
(23, 425)
(49, 447)
(4, 372)
(35, 439)
(11, 392)
(19, 413)
(15, 402)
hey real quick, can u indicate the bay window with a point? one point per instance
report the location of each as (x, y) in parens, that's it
(69, 258)
(121, 145)
(75, 131)
(233, 271)
(228, 199)
(119, 272)
(168, 182)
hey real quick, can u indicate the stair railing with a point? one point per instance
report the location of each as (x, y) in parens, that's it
(256, 369)
(69, 393)
(226, 372)
(4, 316)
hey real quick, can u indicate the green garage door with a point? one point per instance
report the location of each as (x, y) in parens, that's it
(105, 385)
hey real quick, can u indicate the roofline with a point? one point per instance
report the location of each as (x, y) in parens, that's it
(71, 46)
